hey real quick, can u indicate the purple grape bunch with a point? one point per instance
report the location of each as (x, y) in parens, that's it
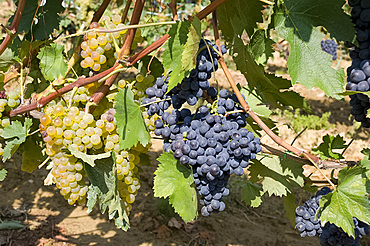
(359, 72)
(215, 144)
(334, 235)
(191, 88)
(330, 234)
(307, 224)
(330, 47)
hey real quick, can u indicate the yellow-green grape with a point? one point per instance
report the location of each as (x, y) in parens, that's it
(116, 19)
(1, 149)
(68, 176)
(149, 120)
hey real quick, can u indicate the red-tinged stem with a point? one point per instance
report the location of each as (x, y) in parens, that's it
(13, 27)
(99, 13)
(138, 56)
(125, 11)
(104, 88)
(82, 81)
(172, 5)
(202, 14)
(125, 50)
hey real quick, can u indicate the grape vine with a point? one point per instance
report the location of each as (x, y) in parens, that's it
(91, 119)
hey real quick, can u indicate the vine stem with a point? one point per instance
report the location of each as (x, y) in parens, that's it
(267, 2)
(82, 81)
(316, 161)
(202, 14)
(98, 14)
(125, 50)
(100, 30)
(125, 11)
(172, 5)
(13, 27)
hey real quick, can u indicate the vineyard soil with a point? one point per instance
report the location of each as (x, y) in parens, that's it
(50, 220)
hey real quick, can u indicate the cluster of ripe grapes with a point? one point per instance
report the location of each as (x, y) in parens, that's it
(191, 88)
(359, 72)
(212, 140)
(330, 234)
(330, 47)
(63, 126)
(98, 47)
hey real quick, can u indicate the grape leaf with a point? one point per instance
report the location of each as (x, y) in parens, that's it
(179, 57)
(52, 62)
(130, 123)
(260, 47)
(290, 206)
(174, 180)
(11, 225)
(365, 162)
(15, 134)
(278, 178)
(272, 89)
(238, 15)
(31, 154)
(6, 60)
(329, 143)
(347, 201)
(302, 14)
(259, 108)
(156, 67)
(307, 63)
(43, 22)
(251, 194)
(3, 173)
(235, 17)
(103, 190)
(39, 83)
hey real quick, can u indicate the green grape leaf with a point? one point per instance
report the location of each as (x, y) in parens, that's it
(233, 17)
(130, 123)
(43, 22)
(257, 105)
(260, 47)
(6, 60)
(26, 47)
(175, 181)
(365, 162)
(238, 15)
(251, 194)
(11, 225)
(103, 190)
(52, 62)
(271, 88)
(89, 159)
(31, 154)
(307, 63)
(290, 206)
(278, 176)
(330, 143)
(347, 201)
(3, 173)
(316, 13)
(39, 82)
(179, 57)
(15, 134)
(156, 67)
